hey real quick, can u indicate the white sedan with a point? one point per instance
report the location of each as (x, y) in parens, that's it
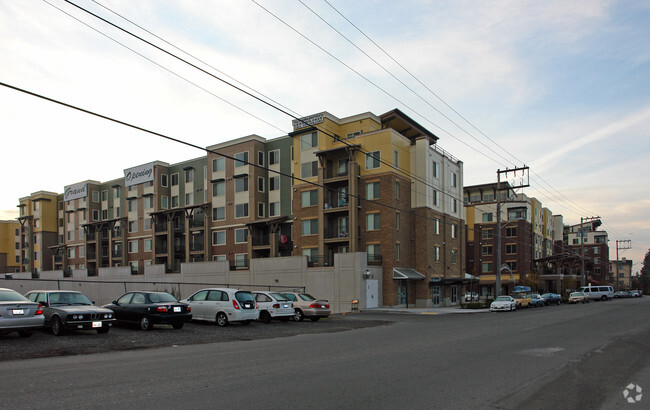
(503, 303)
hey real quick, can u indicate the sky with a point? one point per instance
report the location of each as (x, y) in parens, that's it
(561, 87)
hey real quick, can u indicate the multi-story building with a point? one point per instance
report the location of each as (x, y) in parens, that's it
(38, 231)
(587, 241)
(382, 187)
(620, 273)
(9, 246)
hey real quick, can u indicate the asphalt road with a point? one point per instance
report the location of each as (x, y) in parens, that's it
(578, 356)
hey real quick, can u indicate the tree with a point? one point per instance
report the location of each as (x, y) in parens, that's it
(530, 279)
(645, 273)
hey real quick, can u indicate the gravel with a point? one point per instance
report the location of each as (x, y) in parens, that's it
(124, 337)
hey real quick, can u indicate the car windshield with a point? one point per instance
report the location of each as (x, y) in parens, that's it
(244, 296)
(280, 297)
(69, 298)
(577, 294)
(546, 295)
(290, 296)
(162, 297)
(503, 299)
(11, 296)
(306, 296)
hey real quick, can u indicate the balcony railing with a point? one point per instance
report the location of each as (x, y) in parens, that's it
(197, 222)
(261, 240)
(195, 247)
(334, 233)
(335, 172)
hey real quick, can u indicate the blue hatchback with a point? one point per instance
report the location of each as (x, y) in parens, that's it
(551, 299)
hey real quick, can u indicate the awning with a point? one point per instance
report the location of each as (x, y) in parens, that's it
(407, 273)
(471, 277)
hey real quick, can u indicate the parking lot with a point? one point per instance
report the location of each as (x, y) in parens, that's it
(43, 344)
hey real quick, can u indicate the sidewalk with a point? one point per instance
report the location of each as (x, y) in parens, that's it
(426, 311)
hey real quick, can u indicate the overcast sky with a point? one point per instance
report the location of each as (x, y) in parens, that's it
(563, 87)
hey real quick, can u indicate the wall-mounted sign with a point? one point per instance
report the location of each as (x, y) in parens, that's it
(307, 121)
(75, 191)
(138, 175)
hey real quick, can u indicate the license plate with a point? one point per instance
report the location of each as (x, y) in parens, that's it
(97, 324)
(177, 308)
(18, 312)
(285, 306)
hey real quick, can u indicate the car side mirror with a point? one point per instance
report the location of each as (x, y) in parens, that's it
(115, 303)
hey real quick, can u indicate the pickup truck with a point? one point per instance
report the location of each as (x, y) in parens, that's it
(522, 300)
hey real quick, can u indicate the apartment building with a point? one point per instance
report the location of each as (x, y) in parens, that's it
(620, 273)
(38, 231)
(9, 246)
(590, 244)
(382, 186)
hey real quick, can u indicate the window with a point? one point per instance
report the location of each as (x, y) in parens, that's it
(374, 252)
(260, 158)
(436, 253)
(486, 267)
(454, 180)
(396, 189)
(175, 201)
(164, 202)
(132, 205)
(486, 234)
(435, 197)
(117, 212)
(147, 245)
(517, 213)
(454, 256)
(260, 209)
(219, 188)
(189, 175)
(218, 238)
(486, 250)
(147, 224)
(397, 216)
(454, 205)
(219, 213)
(241, 210)
(309, 198)
(95, 214)
(95, 197)
(372, 190)
(274, 209)
(274, 183)
(241, 260)
(218, 164)
(397, 251)
(511, 232)
(436, 226)
(309, 169)
(512, 265)
(310, 227)
(189, 198)
(133, 246)
(260, 184)
(454, 231)
(596, 251)
(164, 180)
(217, 258)
(435, 169)
(82, 251)
(308, 141)
(104, 196)
(241, 235)
(174, 179)
(352, 134)
(148, 202)
(373, 160)
(372, 222)
(241, 159)
(511, 248)
(396, 158)
(274, 157)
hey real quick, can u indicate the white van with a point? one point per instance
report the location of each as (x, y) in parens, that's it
(598, 292)
(223, 306)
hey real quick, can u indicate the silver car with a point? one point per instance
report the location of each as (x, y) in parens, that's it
(273, 305)
(18, 314)
(223, 306)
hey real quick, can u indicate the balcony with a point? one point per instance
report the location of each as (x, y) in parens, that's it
(197, 222)
(197, 247)
(335, 172)
(261, 240)
(337, 234)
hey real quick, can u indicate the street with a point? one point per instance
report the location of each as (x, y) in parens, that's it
(568, 356)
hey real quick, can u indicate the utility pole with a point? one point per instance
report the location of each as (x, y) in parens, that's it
(624, 244)
(582, 246)
(524, 181)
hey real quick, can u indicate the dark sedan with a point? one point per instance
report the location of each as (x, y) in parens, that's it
(71, 310)
(552, 298)
(148, 308)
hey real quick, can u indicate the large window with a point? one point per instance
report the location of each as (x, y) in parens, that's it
(309, 169)
(274, 209)
(309, 198)
(372, 222)
(241, 184)
(374, 252)
(274, 157)
(241, 159)
(241, 210)
(310, 227)
(274, 183)
(486, 234)
(486, 267)
(454, 256)
(517, 213)
(219, 188)
(218, 164)
(241, 235)
(486, 250)
(511, 232)
(133, 246)
(241, 260)
(219, 213)
(372, 190)
(373, 160)
(511, 248)
(436, 253)
(189, 175)
(454, 231)
(487, 217)
(436, 226)
(218, 238)
(434, 168)
(308, 141)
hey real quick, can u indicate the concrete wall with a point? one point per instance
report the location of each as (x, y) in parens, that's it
(339, 284)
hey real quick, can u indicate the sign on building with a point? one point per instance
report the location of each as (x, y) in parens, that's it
(307, 121)
(75, 191)
(138, 175)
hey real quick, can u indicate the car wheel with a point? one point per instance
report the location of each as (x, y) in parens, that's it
(103, 329)
(298, 316)
(265, 317)
(222, 319)
(314, 319)
(25, 333)
(177, 325)
(57, 326)
(604, 298)
(145, 323)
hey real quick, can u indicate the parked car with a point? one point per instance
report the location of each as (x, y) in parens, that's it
(70, 310)
(522, 300)
(576, 297)
(536, 300)
(273, 305)
(19, 314)
(551, 299)
(636, 293)
(148, 308)
(470, 297)
(621, 294)
(223, 306)
(598, 292)
(307, 306)
(503, 303)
